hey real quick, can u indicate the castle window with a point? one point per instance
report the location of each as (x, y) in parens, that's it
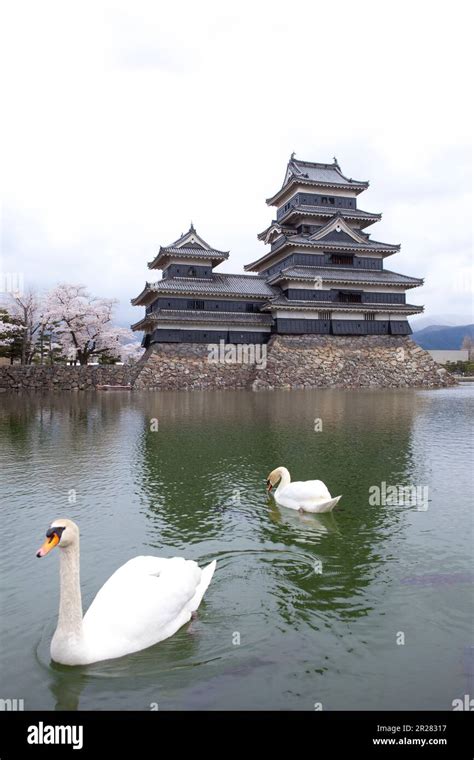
(195, 305)
(191, 272)
(341, 260)
(369, 317)
(326, 315)
(349, 296)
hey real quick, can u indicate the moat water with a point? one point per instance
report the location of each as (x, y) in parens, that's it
(370, 607)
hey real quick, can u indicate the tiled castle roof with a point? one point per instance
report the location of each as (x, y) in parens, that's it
(187, 252)
(220, 284)
(303, 209)
(282, 302)
(189, 246)
(306, 242)
(316, 174)
(203, 317)
(345, 274)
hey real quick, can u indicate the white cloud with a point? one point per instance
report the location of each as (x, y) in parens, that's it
(124, 121)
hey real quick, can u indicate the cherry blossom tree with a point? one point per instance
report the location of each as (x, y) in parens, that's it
(83, 323)
(131, 352)
(25, 309)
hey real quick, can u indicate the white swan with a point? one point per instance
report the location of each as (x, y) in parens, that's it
(307, 496)
(145, 601)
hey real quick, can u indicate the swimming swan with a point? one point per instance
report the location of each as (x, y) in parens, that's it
(145, 601)
(307, 496)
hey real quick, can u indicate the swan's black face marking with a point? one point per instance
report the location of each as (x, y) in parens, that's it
(55, 531)
(53, 537)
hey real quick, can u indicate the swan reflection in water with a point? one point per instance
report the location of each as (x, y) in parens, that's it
(306, 525)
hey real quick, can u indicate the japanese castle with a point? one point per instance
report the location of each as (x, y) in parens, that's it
(323, 273)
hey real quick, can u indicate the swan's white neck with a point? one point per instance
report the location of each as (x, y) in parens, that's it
(70, 602)
(284, 480)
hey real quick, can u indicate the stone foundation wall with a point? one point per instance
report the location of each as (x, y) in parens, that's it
(185, 366)
(365, 361)
(299, 361)
(64, 378)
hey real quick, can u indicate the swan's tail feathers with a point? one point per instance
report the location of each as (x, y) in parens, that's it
(329, 505)
(206, 577)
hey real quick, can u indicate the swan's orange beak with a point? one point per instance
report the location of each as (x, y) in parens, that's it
(269, 486)
(50, 543)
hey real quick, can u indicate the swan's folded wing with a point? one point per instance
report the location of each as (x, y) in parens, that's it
(308, 490)
(145, 564)
(143, 602)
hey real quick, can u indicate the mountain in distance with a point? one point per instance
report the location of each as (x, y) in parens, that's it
(420, 321)
(442, 337)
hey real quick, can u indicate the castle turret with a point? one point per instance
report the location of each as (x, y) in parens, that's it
(193, 303)
(329, 271)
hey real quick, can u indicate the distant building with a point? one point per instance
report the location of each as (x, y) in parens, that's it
(323, 273)
(450, 355)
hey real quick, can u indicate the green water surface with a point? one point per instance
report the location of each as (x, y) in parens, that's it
(370, 607)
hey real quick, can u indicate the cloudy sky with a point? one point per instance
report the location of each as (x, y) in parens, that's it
(124, 121)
